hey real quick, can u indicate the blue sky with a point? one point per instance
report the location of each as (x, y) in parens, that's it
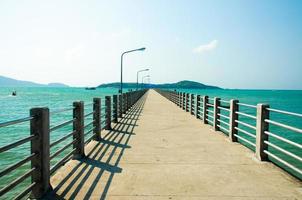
(232, 44)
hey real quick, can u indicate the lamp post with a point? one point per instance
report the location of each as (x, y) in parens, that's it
(143, 70)
(140, 49)
(147, 76)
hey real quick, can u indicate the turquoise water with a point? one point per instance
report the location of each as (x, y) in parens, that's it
(58, 98)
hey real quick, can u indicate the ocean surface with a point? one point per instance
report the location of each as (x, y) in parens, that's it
(14, 107)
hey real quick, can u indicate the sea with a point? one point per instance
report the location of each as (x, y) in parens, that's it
(16, 107)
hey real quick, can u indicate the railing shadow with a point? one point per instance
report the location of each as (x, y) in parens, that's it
(104, 156)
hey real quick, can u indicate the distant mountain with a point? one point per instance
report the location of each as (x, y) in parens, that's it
(179, 85)
(57, 85)
(10, 82)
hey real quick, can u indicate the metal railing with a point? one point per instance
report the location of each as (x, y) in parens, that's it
(251, 125)
(47, 152)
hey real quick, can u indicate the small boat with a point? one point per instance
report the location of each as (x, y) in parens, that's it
(90, 88)
(14, 93)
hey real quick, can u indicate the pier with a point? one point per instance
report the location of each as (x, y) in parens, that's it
(159, 144)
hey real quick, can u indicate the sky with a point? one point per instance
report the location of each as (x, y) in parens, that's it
(244, 44)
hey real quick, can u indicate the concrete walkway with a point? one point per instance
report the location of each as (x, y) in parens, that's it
(158, 151)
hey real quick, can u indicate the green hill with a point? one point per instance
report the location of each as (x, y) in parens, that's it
(179, 85)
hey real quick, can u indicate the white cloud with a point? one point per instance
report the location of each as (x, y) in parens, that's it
(206, 47)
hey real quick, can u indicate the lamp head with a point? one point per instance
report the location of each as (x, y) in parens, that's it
(142, 49)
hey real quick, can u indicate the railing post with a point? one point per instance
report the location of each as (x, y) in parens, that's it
(124, 103)
(39, 126)
(197, 106)
(261, 127)
(78, 128)
(120, 107)
(216, 111)
(108, 112)
(115, 108)
(184, 101)
(97, 118)
(192, 104)
(205, 109)
(233, 118)
(187, 102)
(178, 99)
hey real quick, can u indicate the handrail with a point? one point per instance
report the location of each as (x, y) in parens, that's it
(88, 114)
(250, 134)
(246, 124)
(40, 140)
(61, 139)
(18, 143)
(283, 151)
(284, 112)
(16, 121)
(16, 165)
(283, 125)
(246, 115)
(245, 132)
(61, 110)
(61, 125)
(283, 139)
(283, 162)
(247, 105)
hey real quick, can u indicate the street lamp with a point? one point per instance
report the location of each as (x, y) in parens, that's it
(140, 49)
(147, 76)
(143, 70)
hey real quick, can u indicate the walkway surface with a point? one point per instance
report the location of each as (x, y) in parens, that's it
(158, 151)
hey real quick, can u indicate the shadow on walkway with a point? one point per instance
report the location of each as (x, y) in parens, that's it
(91, 176)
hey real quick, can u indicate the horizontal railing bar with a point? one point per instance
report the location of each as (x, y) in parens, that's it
(208, 120)
(209, 116)
(16, 165)
(245, 124)
(222, 108)
(243, 139)
(88, 114)
(283, 139)
(223, 122)
(245, 132)
(244, 114)
(224, 116)
(16, 121)
(90, 123)
(62, 149)
(61, 139)
(18, 143)
(284, 112)
(89, 104)
(88, 132)
(61, 125)
(61, 162)
(224, 101)
(208, 104)
(247, 105)
(61, 110)
(283, 162)
(25, 192)
(283, 150)
(283, 126)
(210, 111)
(104, 115)
(16, 182)
(221, 127)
